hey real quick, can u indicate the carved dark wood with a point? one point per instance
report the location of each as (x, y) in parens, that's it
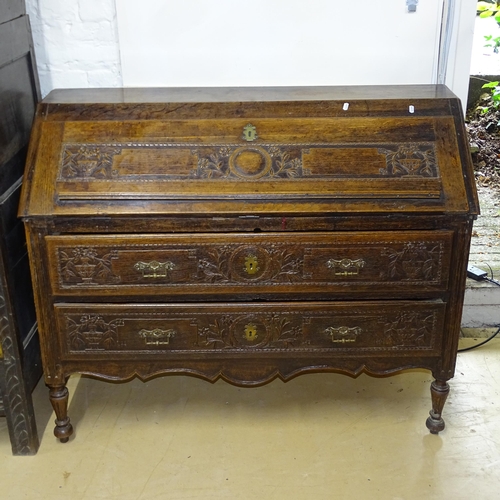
(59, 399)
(439, 392)
(248, 234)
(311, 327)
(263, 161)
(20, 364)
(178, 263)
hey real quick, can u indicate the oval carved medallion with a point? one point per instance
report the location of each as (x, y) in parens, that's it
(250, 162)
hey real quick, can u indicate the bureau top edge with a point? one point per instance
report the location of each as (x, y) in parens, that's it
(245, 94)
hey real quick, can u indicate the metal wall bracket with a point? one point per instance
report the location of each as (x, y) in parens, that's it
(412, 5)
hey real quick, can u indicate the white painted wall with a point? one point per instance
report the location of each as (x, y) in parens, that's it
(109, 43)
(277, 42)
(76, 43)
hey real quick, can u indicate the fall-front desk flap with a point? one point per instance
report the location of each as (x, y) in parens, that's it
(323, 150)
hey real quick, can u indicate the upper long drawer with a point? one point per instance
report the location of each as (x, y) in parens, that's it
(236, 265)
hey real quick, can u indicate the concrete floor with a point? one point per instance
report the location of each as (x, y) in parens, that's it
(321, 436)
(485, 242)
(482, 299)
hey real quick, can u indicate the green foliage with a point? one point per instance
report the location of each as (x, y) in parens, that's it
(492, 98)
(489, 9)
(495, 42)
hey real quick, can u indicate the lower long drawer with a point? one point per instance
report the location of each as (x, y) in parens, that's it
(114, 331)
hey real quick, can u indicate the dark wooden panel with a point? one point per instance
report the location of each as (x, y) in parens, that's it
(14, 40)
(20, 367)
(18, 98)
(10, 9)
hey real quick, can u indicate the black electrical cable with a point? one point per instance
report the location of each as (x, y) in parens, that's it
(481, 343)
(495, 282)
(492, 279)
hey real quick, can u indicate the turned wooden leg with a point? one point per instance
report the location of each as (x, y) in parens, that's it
(59, 399)
(439, 393)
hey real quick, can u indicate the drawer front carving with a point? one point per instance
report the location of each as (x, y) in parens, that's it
(382, 327)
(249, 263)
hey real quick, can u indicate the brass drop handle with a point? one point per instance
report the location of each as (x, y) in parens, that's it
(157, 336)
(343, 334)
(345, 267)
(154, 269)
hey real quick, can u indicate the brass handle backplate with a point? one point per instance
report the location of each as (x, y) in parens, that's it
(343, 334)
(157, 336)
(154, 269)
(345, 267)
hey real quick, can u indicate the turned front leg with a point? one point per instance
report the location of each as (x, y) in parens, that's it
(59, 399)
(439, 393)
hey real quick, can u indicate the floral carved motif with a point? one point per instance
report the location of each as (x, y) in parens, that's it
(88, 162)
(410, 160)
(416, 261)
(214, 265)
(259, 331)
(410, 329)
(86, 265)
(92, 333)
(231, 263)
(251, 161)
(287, 265)
(271, 162)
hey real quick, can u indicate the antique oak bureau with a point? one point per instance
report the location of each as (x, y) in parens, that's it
(248, 233)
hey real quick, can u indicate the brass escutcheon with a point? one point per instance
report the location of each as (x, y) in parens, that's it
(249, 133)
(251, 332)
(251, 264)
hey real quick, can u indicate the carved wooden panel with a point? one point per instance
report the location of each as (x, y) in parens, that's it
(235, 168)
(265, 262)
(15, 394)
(127, 162)
(383, 326)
